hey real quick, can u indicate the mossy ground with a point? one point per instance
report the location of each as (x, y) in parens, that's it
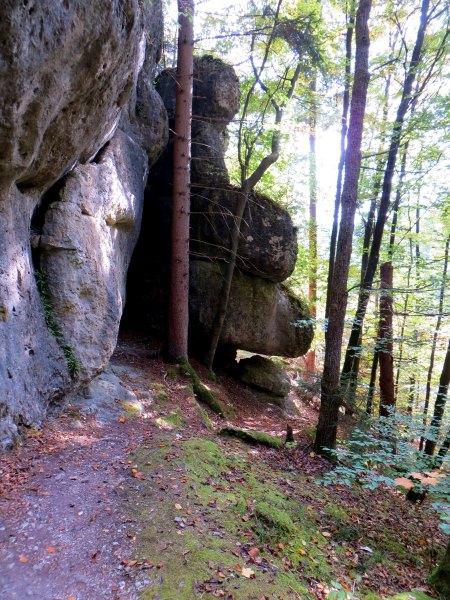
(223, 515)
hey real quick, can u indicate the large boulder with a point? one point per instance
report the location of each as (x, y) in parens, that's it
(263, 374)
(87, 240)
(68, 68)
(262, 316)
(216, 98)
(268, 241)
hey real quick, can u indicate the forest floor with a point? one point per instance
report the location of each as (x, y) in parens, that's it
(147, 500)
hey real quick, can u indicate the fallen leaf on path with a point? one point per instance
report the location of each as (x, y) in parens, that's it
(51, 550)
(23, 558)
(248, 573)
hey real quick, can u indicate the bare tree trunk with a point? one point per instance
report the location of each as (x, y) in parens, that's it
(385, 348)
(312, 228)
(435, 336)
(337, 291)
(372, 262)
(442, 452)
(344, 127)
(372, 384)
(248, 183)
(178, 319)
(439, 405)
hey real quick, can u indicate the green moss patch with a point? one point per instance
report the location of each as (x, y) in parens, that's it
(252, 436)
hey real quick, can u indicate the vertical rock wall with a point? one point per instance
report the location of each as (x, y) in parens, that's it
(69, 73)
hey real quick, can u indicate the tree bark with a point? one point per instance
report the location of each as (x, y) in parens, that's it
(344, 127)
(435, 336)
(248, 183)
(395, 142)
(178, 318)
(385, 342)
(337, 291)
(439, 405)
(312, 226)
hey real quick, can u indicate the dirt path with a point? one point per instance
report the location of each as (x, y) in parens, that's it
(130, 495)
(65, 527)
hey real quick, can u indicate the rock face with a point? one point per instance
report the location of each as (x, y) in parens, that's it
(263, 374)
(70, 68)
(86, 246)
(72, 73)
(268, 243)
(262, 317)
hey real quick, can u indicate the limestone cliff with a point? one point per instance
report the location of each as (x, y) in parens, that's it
(82, 126)
(73, 167)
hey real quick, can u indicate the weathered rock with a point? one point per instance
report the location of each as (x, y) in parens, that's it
(33, 370)
(105, 397)
(265, 375)
(216, 91)
(67, 69)
(268, 242)
(146, 114)
(262, 316)
(215, 102)
(87, 240)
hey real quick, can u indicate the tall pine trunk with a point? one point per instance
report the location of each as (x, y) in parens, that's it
(337, 291)
(178, 319)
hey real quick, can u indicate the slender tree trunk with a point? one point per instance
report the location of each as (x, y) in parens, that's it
(344, 127)
(372, 262)
(337, 291)
(439, 405)
(312, 228)
(385, 335)
(412, 394)
(435, 337)
(178, 319)
(403, 325)
(248, 183)
(442, 452)
(372, 384)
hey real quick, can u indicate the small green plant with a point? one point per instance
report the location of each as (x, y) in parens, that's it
(73, 364)
(381, 452)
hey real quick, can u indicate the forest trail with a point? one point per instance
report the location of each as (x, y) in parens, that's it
(152, 503)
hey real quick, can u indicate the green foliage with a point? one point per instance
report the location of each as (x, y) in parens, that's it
(73, 363)
(380, 451)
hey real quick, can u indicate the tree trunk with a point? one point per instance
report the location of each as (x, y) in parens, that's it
(312, 227)
(178, 319)
(435, 337)
(372, 262)
(344, 127)
(373, 378)
(248, 183)
(442, 452)
(337, 291)
(439, 405)
(385, 342)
